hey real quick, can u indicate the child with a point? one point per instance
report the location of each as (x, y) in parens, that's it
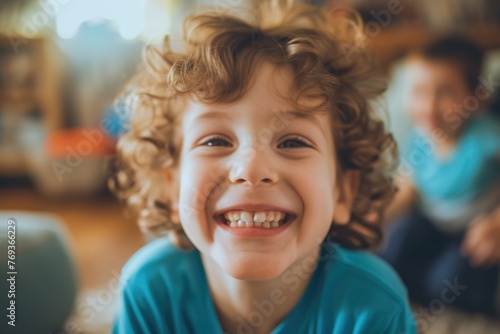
(254, 150)
(451, 189)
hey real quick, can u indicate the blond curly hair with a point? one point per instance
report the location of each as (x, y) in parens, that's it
(324, 49)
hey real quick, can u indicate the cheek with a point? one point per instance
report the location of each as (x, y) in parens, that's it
(198, 186)
(191, 187)
(419, 105)
(416, 109)
(316, 190)
(415, 115)
(198, 180)
(194, 191)
(446, 104)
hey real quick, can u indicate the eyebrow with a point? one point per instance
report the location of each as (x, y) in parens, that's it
(214, 114)
(289, 114)
(303, 115)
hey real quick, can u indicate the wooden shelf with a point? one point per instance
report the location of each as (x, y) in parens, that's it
(30, 84)
(18, 100)
(390, 44)
(13, 163)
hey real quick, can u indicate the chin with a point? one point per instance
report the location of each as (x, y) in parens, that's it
(253, 268)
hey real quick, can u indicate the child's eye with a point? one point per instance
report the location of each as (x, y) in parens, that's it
(216, 141)
(294, 142)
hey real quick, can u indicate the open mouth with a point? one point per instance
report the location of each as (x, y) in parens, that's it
(254, 219)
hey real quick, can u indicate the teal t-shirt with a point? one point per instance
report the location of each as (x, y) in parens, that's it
(165, 290)
(456, 189)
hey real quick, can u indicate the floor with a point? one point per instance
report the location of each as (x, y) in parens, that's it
(102, 238)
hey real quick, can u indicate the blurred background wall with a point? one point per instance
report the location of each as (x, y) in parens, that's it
(63, 61)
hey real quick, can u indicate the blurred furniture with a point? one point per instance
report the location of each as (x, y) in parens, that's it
(45, 283)
(30, 92)
(393, 43)
(70, 162)
(394, 28)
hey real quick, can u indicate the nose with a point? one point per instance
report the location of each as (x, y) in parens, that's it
(253, 165)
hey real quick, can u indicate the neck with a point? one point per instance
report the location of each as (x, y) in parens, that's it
(255, 306)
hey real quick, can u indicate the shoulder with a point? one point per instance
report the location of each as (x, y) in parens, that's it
(483, 135)
(486, 126)
(153, 279)
(157, 261)
(363, 281)
(366, 292)
(369, 269)
(488, 120)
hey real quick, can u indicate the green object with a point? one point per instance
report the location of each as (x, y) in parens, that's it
(44, 283)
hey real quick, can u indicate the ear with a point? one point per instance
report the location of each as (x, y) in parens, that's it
(345, 193)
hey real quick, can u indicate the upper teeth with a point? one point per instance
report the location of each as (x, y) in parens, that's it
(266, 219)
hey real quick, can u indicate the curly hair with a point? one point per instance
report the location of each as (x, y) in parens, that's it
(324, 49)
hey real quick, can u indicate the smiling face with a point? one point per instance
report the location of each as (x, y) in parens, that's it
(438, 94)
(269, 170)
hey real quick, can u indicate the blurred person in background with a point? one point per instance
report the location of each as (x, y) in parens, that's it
(446, 214)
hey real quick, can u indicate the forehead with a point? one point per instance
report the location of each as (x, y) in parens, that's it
(268, 85)
(270, 92)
